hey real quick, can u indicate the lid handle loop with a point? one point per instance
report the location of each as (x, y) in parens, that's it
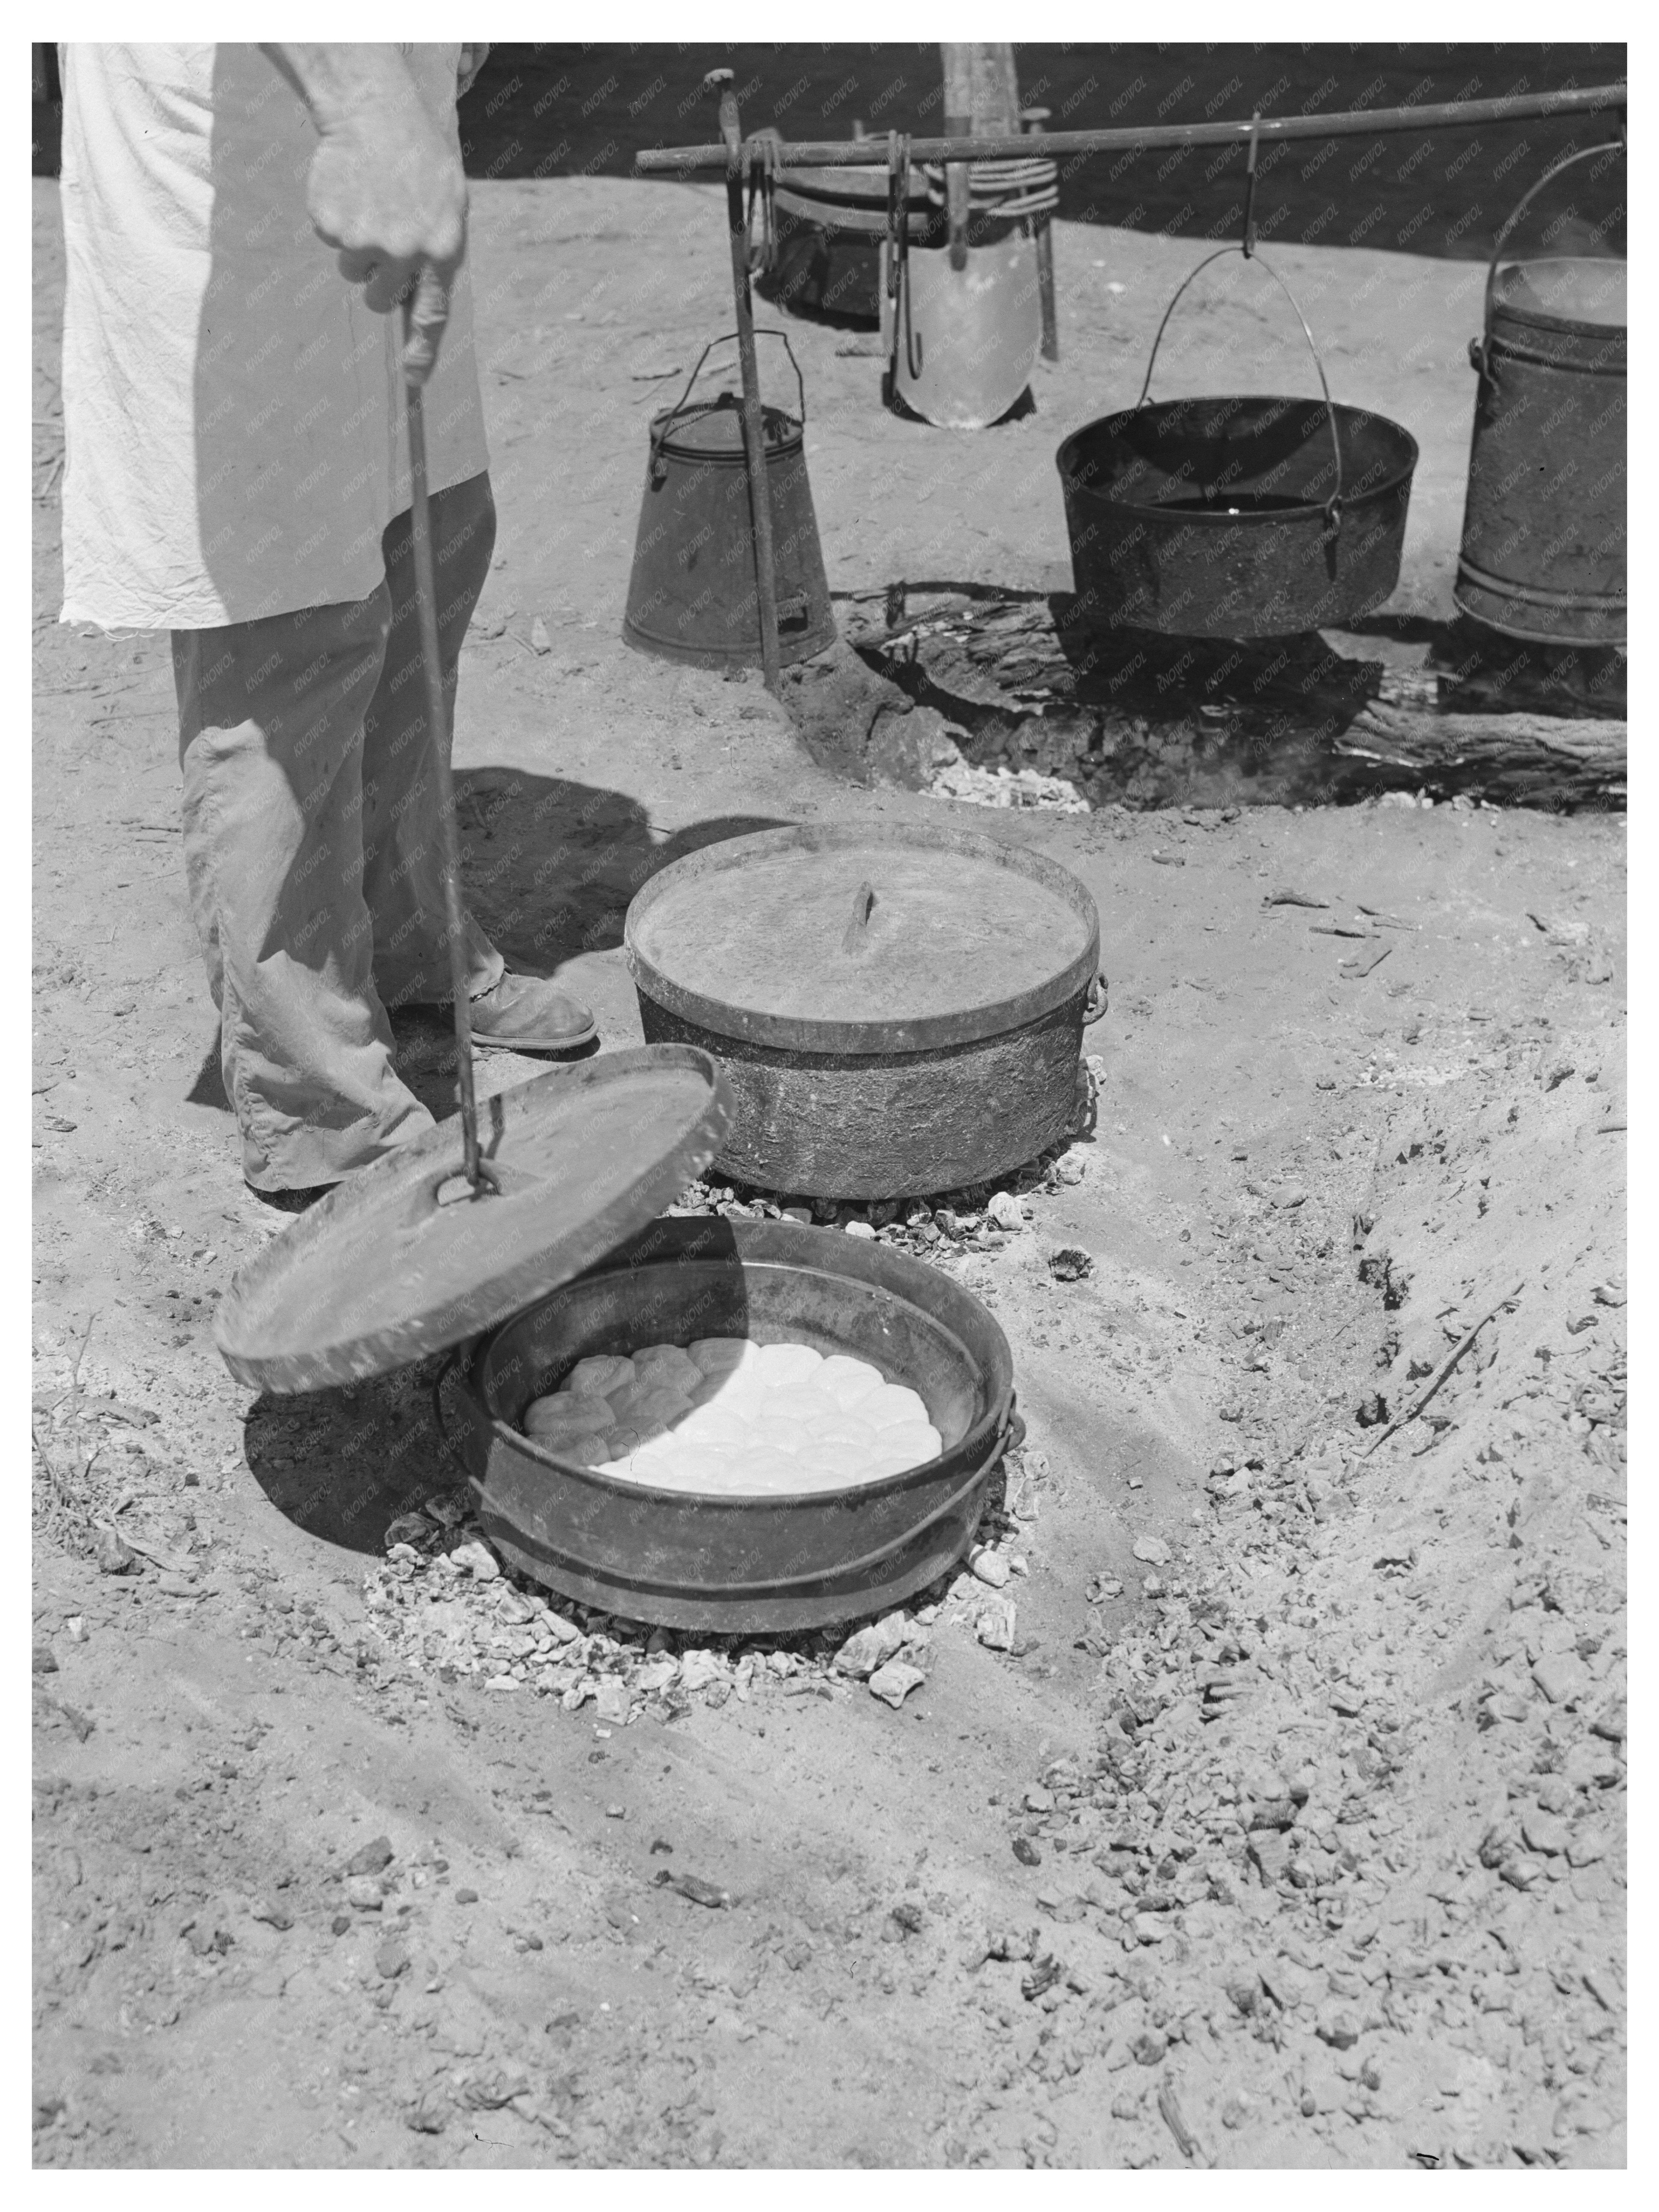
(1248, 242)
(857, 929)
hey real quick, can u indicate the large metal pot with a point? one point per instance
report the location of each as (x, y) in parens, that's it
(1233, 517)
(740, 1564)
(897, 1010)
(1543, 556)
(830, 223)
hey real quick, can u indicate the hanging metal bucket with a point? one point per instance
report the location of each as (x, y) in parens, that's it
(1236, 517)
(692, 594)
(1543, 556)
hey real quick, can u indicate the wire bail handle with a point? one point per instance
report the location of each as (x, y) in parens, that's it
(1333, 504)
(665, 422)
(1480, 348)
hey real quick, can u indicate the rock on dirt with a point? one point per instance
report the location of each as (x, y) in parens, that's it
(893, 1682)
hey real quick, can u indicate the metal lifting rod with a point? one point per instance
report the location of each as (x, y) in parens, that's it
(754, 423)
(872, 153)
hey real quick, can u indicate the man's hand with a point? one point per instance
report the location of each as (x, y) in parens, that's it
(385, 186)
(466, 69)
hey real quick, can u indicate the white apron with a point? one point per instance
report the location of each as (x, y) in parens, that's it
(232, 413)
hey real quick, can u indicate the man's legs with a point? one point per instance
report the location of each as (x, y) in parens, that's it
(402, 879)
(270, 719)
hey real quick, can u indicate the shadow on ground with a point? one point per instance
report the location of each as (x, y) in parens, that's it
(548, 868)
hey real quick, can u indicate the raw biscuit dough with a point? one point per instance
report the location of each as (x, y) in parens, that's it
(726, 1416)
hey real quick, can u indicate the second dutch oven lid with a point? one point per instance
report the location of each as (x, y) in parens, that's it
(399, 1260)
(772, 938)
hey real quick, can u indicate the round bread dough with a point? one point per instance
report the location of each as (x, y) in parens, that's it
(848, 1380)
(564, 1414)
(712, 1424)
(648, 1403)
(583, 1451)
(892, 1406)
(667, 1364)
(720, 1355)
(782, 1366)
(599, 1376)
(726, 1416)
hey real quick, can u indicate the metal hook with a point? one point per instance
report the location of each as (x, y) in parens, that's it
(1247, 244)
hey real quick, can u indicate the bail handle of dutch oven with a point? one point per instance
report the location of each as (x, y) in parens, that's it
(1248, 247)
(1480, 348)
(665, 422)
(898, 256)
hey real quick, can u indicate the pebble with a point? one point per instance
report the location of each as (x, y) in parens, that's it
(893, 1682)
(989, 1566)
(995, 1626)
(374, 1857)
(407, 1529)
(611, 1702)
(113, 1555)
(273, 1916)
(862, 1229)
(871, 1647)
(391, 1958)
(1545, 1832)
(1562, 1676)
(363, 1893)
(42, 1662)
(1005, 1211)
(1152, 1550)
(476, 1558)
(466, 1897)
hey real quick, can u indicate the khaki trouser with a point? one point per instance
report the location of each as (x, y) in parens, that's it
(310, 832)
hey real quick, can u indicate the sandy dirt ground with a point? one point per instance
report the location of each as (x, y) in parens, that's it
(1265, 1807)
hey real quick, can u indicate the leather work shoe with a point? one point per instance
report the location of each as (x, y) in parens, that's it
(522, 1014)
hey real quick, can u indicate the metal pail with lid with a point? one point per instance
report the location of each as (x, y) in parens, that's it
(1543, 556)
(692, 594)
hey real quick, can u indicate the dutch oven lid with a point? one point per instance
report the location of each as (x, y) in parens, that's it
(399, 1260)
(862, 938)
(713, 428)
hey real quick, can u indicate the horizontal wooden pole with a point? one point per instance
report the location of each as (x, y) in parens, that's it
(1151, 137)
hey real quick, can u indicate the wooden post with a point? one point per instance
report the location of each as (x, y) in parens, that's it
(1033, 119)
(981, 99)
(958, 124)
